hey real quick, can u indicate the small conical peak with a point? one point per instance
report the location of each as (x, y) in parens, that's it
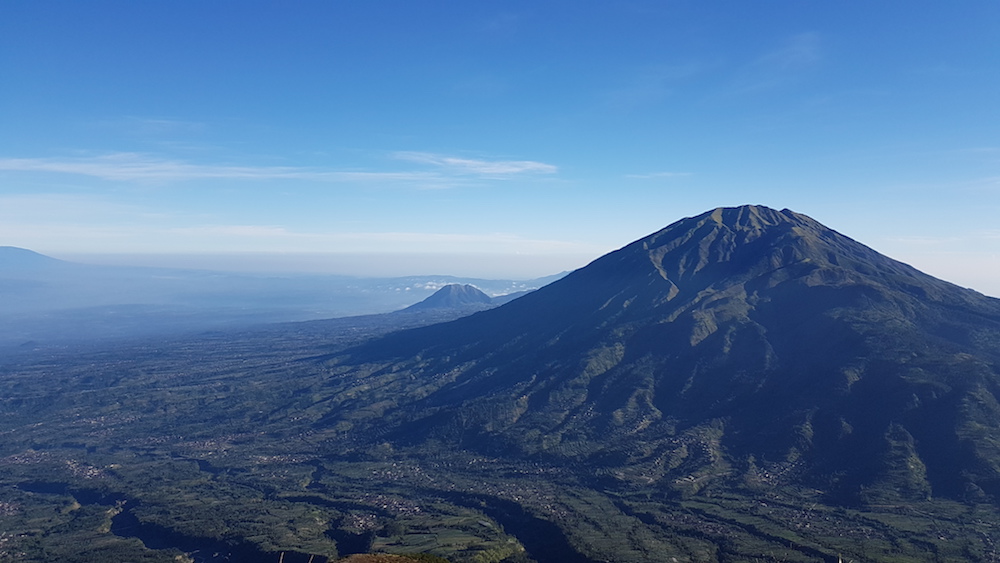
(462, 290)
(454, 295)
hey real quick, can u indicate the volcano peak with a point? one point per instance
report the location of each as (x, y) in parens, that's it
(758, 320)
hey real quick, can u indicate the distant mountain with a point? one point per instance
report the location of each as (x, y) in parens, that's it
(54, 302)
(14, 259)
(454, 296)
(463, 297)
(742, 343)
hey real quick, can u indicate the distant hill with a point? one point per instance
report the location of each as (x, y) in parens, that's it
(454, 296)
(53, 302)
(14, 259)
(463, 297)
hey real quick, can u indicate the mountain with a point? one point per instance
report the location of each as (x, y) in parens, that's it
(739, 343)
(466, 298)
(14, 260)
(454, 296)
(49, 302)
(744, 385)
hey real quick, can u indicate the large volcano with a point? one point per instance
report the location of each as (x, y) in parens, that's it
(742, 343)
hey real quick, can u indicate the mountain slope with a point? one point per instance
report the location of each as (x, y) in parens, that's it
(739, 343)
(14, 260)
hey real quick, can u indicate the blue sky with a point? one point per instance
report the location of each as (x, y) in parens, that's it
(508, 139)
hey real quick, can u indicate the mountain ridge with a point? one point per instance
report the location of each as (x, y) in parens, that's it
(14, 259)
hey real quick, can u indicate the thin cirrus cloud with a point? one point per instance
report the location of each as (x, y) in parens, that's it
(280, 238)
(491, 168)
(385, 240)
(779, 66)
(649, 85)
(140, 167)
(659, 175)
(234, 231)
(799, 51)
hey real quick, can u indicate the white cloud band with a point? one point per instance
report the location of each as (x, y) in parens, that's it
(139, 167)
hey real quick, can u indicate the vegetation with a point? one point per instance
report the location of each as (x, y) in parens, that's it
(803, 400)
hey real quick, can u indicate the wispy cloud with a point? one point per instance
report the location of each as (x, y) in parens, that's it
(161, 126)
(983, 154)
(233, 231)
(798, 52)
(925, 241)
(971, 240)
(136, 167)
(990, 184)
(54, 208)
(139, 167)
(82, 236)
(504, 24)
(155, 128)
(290, 240)
(659, 175)
(649, 85)
(491, 168)
(482, 85)
(948, 71)
(779, 66)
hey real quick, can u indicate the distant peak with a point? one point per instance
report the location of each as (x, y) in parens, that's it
(17, 251)
(12, 257)
(459, 288)
(454, 295)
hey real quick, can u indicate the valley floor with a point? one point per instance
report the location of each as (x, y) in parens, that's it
(202, 450)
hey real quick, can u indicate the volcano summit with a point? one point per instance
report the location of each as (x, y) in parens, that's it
(771, 338)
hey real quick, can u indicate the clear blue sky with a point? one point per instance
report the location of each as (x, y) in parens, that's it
(536, 135)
